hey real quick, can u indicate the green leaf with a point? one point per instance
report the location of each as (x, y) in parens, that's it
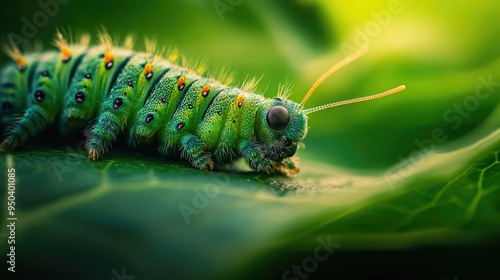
(139, 212)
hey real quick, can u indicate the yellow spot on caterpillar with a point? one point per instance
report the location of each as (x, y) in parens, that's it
(181, 82)
(62, 45)
(21, 61)
(15, 54)
(148, 71)
(148, 68)
(65, 53)
(239, 100)
(205, 90)
(108, 57)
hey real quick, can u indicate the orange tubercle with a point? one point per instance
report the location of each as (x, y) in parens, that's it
(239, 100)
(65, 53)
(108, 57)
(21, 61)
(181, 81)
(148, 68)
(206, 88)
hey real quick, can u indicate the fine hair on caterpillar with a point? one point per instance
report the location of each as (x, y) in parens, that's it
(108, 91)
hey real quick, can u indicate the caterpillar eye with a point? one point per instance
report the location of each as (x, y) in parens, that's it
(278, 118)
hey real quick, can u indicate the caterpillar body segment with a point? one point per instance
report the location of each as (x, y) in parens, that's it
(188, 112)
(13, 88)
(43, 101)
(158, 108)
(109, 91)
(121, 105)
(89, 86)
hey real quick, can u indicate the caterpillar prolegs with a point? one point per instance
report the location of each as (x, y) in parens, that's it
(109, 91)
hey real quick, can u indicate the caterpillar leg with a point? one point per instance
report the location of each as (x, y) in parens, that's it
(288, 166)
(192, 148)
(255, 156)
(34, 121)
(100, 136)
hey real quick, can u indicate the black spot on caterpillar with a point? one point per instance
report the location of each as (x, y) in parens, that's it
(109, 91)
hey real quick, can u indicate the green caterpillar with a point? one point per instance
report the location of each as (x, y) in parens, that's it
(114, 90)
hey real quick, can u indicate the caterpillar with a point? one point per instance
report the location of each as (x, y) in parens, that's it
(107, 91)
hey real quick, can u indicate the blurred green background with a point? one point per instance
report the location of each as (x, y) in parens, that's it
(443, 52)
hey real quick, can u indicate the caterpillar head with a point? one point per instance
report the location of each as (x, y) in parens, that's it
(281, 126)
(283, 123)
